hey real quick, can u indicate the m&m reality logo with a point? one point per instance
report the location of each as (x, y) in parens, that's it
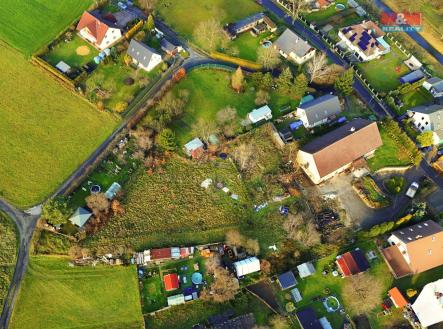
(401, 22)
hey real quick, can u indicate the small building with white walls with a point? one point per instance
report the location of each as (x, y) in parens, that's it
(263, 113)
(247, 266)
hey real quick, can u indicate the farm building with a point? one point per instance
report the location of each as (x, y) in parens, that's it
(435, 86)
(80, 217)
(351, 263)
(176, 300)
(397, 298)
(287, 280)
(263, 113)
(112, 190)
(305, 269)
(171, 281)
(143, 56)
(319, 110)
(412, 77)
(194, 148)
(291, 46)
(247, 266)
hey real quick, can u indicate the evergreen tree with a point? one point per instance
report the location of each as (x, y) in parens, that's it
(237, 80)
(300, 86)
(267, 82)
(150, 24)
(284, 81)
(344, 83)
(167, 140)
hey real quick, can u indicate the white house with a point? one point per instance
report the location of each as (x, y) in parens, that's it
(365, 40)
(429, 304)
(336, 151)
(435, 86)
(263, 113)
(293, 47)
(319, 110)
(247, 266)
(143, 56)
(428, 118)
(99, 32)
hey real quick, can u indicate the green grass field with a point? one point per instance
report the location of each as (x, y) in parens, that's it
(418, 97)
(66, 52)
(46, 131)
(8, 254)
(30, 24)
(54, 295)
(173, 12)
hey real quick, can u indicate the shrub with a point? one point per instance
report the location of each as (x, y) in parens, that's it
(121, 107)
(395, 184)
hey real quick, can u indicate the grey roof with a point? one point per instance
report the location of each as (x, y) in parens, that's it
(417, 231)
(80, 217)
(321, 108)
(289, 42)
(435, 112)
(113, 190)
(167, 45)
(248, 20)
(436, 83)
(140, 52)
(245, 321)
(193, 145)
(412, 76)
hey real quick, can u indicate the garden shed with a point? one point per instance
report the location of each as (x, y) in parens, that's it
(412, 77)
(176, 300)
(305, 269)
(171, 281)
(194, 148)
(247, 266)
(296, 295)
(287, 280)
(63, 67)
(80, 217)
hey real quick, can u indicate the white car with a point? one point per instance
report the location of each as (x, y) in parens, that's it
(412, 189)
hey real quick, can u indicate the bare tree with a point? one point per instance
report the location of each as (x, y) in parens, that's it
(361, 293)
(98, 203)
(296, 7)
(317, 66)
(300, 227)
(237, 80)
(244, 155)
(209, 34)
(227, 121)
(224, 287)
(204, 128)
(212, 263)
(261, 97)
(147, 5)
(252, 246)
(268, 57)
(234, 238)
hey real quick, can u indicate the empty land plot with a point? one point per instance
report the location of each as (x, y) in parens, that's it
(30, 24)
(170, 207)
(8, 255)
(47, 132)
(55, 295)
(174, 12)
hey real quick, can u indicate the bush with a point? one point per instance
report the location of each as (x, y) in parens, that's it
(121, 107)
(395, 184)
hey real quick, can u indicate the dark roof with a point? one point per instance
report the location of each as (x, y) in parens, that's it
(167, 45)
(352, 262)
(308, 319)
(417, 231)
(343, 145)
(140, 52)
(245, 321)
(246, 21)
(221, 317)
(287, 280)
(412, 77)
(436, 83)
(321, 108)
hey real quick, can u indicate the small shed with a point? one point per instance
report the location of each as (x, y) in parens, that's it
(80, 217)
(113, 190)
(397, 298)
(194, 148)
(287, 280)
(413, 63)
(176, 300)
(261, 114)
(171, 281)
(305, 269)
(247, 266)
(412, 77)
(63, 67)
(295, 295)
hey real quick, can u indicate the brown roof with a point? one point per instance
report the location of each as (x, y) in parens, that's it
(344, 145)
(161, 253)
(96, 27)
(396, 262)
(364, 36)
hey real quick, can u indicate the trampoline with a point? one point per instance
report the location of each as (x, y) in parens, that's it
(197, 278)
(340, 6)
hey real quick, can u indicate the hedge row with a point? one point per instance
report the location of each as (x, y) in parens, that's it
(403, 141)
(63, 79)
(235, 60)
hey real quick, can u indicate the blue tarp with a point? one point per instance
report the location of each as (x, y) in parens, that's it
(412, 77)
(295, 125)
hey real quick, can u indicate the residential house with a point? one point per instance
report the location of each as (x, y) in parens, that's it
(397, 298)
(337, 150)
(428, 118)
(412, 77)
(365, 40)
(415, 249)
(257, 23)
(169, 47)
(293, 47)
(352, 263)
(435, 86)
(171, 281)
(80, 217)
(428, 307)
(99, 31)
(194, 148)
(306, 269)
(143, 56)
(247, 266)
(319, 110)
(287, 280)
(263, 113)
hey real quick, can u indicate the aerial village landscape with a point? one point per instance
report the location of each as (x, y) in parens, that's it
(221, 164)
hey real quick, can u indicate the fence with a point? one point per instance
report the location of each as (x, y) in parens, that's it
(60, 77)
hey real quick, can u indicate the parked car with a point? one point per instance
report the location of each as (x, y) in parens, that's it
(412, 190)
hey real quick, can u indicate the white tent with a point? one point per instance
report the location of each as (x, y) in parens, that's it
(305, 269)
(429, 304)
(247, 266)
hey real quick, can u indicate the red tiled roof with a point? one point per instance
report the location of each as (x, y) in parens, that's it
(343, 268)
(352, 262)
(397, 298)
(162, 253)
(95, 27)
(171, 281)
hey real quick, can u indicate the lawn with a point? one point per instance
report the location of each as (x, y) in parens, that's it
(170, 207)
(28, 25)
(355, 108)
(47, 131)
(384, 73)
(388, 155)
(417, 97)
(322, 15)
(226, 11)
(247, 45)
(67, 52)
(55, 295)
(8, 254)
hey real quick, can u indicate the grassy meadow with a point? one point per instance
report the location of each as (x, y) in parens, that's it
(46, 131)
(54, 295)
(28, 25)
(8, 254)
